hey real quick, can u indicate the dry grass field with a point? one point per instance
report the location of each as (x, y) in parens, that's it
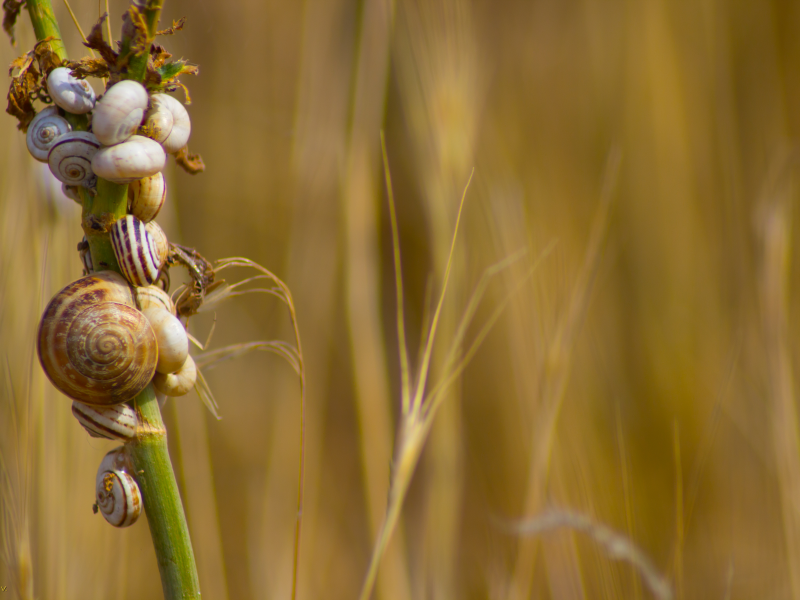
(628, 417)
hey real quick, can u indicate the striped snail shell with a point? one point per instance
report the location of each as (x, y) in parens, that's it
(168, 122)
(173, 343)
(44, 130)
(152, 295)
(70, 158)
(74, 95)
(116, 422)
(146, 197)
(119, 112)
(93, 344)
(118, 496)
(139, 255)
(179, 383)
(136, 158)
(159, 239)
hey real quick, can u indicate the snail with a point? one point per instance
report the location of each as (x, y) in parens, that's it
(116, 422)
(93, 344)
(86, 256)
(118, 496)
(136, 158)
(74, 95)
(71, 192)
(70, 158)
(119, 112)
(178, 383)
(43, 131)
(152, 295)
(167, 122)
(140, 255)
(159, 238)
(173, 343)
(146, 197)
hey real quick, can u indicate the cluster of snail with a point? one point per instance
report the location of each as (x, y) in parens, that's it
(105, 337)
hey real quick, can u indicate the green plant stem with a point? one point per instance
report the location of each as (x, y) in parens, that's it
(149, 452)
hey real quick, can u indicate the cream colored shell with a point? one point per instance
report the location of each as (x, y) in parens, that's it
(119, 112)
(146, 197)
(74, 95)
(179, 383)
(44, 130)
(173, 343)
(136, 158)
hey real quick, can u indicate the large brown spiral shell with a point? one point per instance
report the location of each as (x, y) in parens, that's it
(93, 344)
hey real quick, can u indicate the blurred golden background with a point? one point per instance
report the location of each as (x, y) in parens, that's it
(642, 155)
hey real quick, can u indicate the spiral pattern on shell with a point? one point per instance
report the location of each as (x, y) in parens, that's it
(116, 422)
(118, 498)
(118, 114)
(74, 95)
(70, 158)
(93, 345)
(44, 130)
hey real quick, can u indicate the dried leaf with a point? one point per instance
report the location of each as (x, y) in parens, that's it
(88, 67)
(29, 84)
(11, 9)
(191, 163)
(134, 30)
(95, 41)
(176, 26)
(47, 59)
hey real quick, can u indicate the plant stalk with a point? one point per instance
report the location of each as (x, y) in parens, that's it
(148, 451)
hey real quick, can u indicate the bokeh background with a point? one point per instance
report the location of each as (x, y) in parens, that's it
(638, 160)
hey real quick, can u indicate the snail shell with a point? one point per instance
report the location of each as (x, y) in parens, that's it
(139, 255)
(93, 345)
(70, 158)
(168, 122)
(152, 295)
(118, 496)
(74, 95)
(71, 192)
(159, 239)
(119, 112)
(111, 422)
(137, 158)
(173, 343)
(178, 383)
(86, 256)
(146, 197)
(44, 130)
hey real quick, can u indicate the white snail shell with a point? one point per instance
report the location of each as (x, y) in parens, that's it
(118, 496)
(173, 343)
(180, 126)
(46, 127)
(152, 295)
(71, 192)
(146, 197)
(111, 422)
(136, 158)
(119, 112)
(178, 383)
(70, 158)
(93, 344)
(138, 253)
(74, 95)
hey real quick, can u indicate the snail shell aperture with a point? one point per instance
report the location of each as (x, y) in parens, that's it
(93, 345)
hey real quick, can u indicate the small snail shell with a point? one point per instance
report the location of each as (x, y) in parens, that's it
(146, 197)
(137, 158)
(118, 496)
(153, 295)
(70, 158)
(111, 422)
(137, 252)
(86, 256)
(74, 95)
(93, 345)
(71, 192)
(44, 130)
(119, 112)
(180, 126)
(178, 383)
(173, 343)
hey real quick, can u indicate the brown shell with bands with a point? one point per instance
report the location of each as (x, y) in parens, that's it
(93, 344)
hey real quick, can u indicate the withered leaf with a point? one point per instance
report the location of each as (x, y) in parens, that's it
(134, 35)
(95, 41)
(11, 9)
(176, 26)
(88, 67)
(191, 163)
(47, 59)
